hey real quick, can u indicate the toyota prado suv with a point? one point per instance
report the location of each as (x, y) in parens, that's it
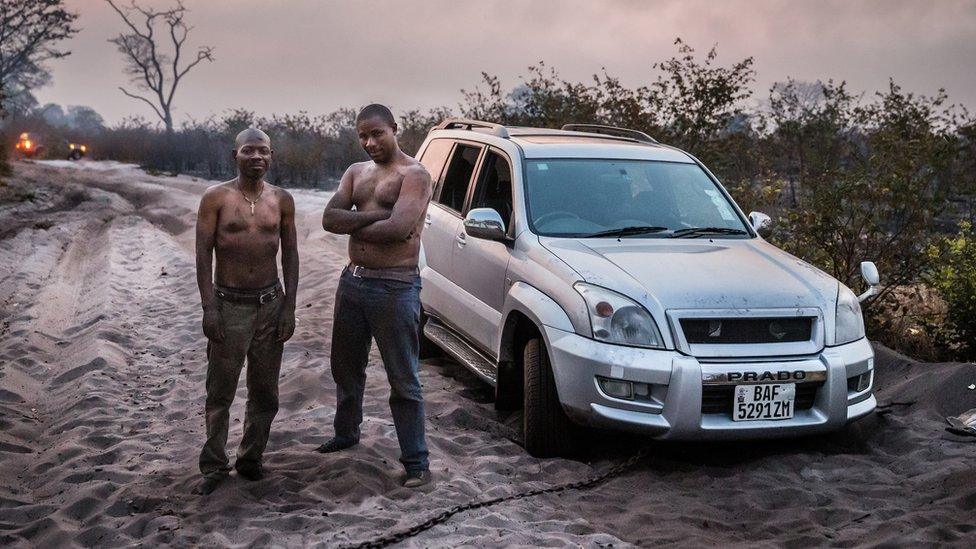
(596, 277)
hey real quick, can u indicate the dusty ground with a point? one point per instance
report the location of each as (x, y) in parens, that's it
(101, 400)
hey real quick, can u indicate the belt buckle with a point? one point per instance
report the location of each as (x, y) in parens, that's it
(270, 295)
(355, 271)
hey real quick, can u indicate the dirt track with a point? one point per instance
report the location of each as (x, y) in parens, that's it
(101, 400)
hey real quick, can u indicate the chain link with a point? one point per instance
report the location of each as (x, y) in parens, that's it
(402, 535)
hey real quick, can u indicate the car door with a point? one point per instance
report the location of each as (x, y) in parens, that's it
(439, 293)
(434, 158)
(480, 265)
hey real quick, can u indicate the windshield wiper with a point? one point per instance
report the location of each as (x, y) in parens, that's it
(627, 231)
(695, 232)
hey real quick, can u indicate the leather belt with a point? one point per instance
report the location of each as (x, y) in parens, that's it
(251, 297)
(403, 274)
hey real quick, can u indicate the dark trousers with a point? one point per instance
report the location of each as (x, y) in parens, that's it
(250, 332)
(389, 311)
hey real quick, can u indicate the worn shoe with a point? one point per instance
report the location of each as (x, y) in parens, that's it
(416, 479)
(208, 485)
(251, 473)
(334, 445)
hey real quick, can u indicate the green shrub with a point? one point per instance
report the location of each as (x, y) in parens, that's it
(954, 276)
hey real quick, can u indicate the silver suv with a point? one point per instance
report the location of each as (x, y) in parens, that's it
(596, 277)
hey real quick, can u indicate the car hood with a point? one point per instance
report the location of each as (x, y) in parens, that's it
(698, 274)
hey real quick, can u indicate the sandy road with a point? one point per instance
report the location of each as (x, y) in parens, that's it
(101, 400)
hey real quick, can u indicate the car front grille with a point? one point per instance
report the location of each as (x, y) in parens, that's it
(747, 330)
(717, 399)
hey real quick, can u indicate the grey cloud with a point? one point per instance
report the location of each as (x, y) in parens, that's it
(318, 56)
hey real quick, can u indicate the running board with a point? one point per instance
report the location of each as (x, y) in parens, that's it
(461, 351)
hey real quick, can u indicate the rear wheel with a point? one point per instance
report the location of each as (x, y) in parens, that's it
(547, 430)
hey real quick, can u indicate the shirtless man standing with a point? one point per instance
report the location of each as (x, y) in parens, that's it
(245, 313)
(379, 292)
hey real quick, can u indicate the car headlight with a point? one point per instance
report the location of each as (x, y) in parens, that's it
(618, 319)
(849, 325)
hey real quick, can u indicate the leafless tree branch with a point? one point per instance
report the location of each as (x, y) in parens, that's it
(139, 97)
(149, 66)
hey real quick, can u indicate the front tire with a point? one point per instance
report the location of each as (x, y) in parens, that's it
(547, 430)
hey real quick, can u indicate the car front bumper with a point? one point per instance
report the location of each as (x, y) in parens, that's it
(672, 409)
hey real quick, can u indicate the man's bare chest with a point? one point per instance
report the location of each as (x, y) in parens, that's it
(236, 217)
(376, 189)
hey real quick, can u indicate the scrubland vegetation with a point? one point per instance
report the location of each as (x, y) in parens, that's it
(847, 176)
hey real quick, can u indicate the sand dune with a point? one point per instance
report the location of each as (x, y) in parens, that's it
(101, 399)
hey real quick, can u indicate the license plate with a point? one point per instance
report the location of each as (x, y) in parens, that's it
(769, 401)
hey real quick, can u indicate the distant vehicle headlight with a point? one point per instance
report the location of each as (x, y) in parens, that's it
(618, 319)
(849, 325)
(84, 148)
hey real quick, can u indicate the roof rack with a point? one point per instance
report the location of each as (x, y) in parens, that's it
(463, 123)
(610, 130)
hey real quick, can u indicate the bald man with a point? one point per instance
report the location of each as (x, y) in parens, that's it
(247, 316)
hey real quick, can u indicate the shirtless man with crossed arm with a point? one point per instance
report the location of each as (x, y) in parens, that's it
(379, 292)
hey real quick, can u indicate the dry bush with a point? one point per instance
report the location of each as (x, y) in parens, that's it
(907, 319)
(4, 166)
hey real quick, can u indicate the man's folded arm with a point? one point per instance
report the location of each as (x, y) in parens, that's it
(339, 217)
(415, 193)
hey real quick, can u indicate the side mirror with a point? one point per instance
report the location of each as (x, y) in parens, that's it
(869, 272)
(761, 223)
(485, 223)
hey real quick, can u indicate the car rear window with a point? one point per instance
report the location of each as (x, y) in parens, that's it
(458, 176)
(435, 156)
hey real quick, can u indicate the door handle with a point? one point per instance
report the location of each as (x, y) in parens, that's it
(427, 221)
(461, 240)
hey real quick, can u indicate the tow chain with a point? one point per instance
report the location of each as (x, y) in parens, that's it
(402, 535)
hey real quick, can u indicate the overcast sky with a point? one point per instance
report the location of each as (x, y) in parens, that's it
(282, 56)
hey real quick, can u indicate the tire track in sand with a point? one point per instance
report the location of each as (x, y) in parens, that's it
(94, 301)
(119, 396)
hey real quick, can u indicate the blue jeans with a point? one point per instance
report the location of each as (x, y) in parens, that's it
(389, 311)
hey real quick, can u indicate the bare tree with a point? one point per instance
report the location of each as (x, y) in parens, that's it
(29, 30)
(151, 69)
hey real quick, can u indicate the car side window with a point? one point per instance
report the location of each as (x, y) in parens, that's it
(435, 156)
(458, 176)
(494, 187)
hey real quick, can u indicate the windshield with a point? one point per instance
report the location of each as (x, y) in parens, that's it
(594, 197)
